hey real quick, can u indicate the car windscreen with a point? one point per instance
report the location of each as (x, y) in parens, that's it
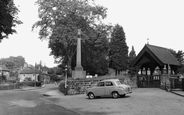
(118, 82)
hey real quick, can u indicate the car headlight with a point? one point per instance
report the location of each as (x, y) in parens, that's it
(122, 88)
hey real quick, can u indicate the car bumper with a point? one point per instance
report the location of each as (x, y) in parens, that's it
(128, 90)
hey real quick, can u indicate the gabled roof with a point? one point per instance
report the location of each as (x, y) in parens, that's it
(160, 54)
(29, 71)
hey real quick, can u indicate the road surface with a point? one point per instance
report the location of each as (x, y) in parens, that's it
(30, 102)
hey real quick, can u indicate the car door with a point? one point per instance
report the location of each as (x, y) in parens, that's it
(108, 88)
(99, 90)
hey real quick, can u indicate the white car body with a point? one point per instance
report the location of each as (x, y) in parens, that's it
(108, 88)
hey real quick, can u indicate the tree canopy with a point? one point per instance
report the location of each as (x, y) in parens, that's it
(95, 51)
(8, 18)
(118, 49)
(132, 55)
(180, 57)
(67, 14)
(13, 63)
(60, 20)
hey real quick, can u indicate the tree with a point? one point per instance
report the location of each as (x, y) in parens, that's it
(60, 20)
(180, 57)
(132, 55)
(118, 49)
(13, 63)
(8, 18)
(95, 51)
(51, 71)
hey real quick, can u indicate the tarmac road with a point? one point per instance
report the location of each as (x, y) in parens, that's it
(30, 102)
(143, 101)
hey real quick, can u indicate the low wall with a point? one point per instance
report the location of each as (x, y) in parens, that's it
(80, 86)
(9, 86)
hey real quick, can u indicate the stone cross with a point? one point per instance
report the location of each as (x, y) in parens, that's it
(78, 72)
(147, 40)
(78, 64)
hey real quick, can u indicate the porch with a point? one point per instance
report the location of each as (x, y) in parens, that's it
(156, 67)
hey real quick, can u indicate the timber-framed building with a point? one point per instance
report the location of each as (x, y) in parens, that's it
(156, 67)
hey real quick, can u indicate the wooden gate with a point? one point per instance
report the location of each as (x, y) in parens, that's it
(148, 81)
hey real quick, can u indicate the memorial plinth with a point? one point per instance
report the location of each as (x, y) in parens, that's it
(78, 72)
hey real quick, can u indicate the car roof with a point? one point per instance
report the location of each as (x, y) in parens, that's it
(111, 80)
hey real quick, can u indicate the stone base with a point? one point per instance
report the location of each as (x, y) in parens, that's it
(78, 73)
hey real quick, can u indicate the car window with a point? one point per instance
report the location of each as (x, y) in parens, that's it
(109, 83)
(100, 84)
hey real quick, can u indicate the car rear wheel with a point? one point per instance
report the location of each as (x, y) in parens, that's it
(115, 94)
(91, 95)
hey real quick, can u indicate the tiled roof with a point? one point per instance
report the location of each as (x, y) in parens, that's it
(4, 68)
(29, 71)
(160, 54)
(163, 54)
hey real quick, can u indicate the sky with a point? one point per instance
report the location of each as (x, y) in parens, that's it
(160, 21)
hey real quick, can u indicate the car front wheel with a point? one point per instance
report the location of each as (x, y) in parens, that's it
(115, 94)
(91, 96)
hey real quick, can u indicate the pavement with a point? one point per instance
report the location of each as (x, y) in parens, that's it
(27, 88)
(51, 92)
(178, 92)
(54, 93)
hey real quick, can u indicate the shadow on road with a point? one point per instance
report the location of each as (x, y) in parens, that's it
(90, 113)
(110, 97)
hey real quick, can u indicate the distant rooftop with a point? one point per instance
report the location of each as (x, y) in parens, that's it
(28, 70)
(4, 68)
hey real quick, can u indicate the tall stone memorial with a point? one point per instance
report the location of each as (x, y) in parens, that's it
(78, 72)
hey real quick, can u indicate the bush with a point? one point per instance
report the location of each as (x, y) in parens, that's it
(54, 77)
(62, 88)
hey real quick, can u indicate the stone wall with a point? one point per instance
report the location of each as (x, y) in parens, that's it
(80, 86)
(9, 86)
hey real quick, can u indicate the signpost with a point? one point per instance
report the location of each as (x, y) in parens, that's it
(66, 76)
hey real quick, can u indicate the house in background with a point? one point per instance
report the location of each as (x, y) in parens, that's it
(29, 74)
(4, 71)
(156, 67)
(45, 76)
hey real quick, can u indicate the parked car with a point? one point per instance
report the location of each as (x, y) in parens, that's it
(109, 87)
